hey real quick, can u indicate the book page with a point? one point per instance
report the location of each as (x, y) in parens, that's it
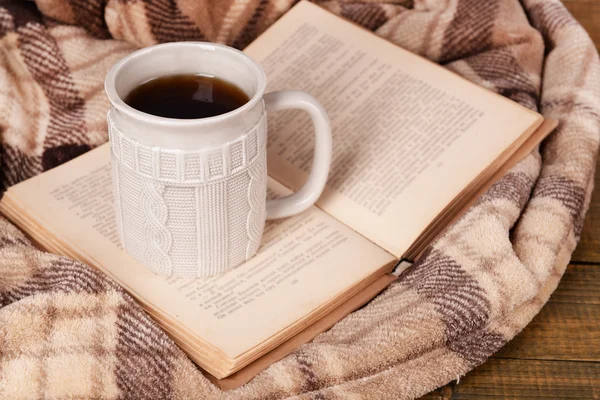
(408, 135)
(303, 262)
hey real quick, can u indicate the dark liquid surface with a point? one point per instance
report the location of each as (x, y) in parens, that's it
(186, 97)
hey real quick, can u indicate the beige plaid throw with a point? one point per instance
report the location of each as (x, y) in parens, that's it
(66, 331)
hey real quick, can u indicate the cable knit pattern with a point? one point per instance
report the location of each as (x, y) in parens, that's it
(190, 213)
(257, 184)
(158, 236)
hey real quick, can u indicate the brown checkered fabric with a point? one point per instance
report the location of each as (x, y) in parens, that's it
(66, 331)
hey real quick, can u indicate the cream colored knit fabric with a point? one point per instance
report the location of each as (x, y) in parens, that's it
(190, 213)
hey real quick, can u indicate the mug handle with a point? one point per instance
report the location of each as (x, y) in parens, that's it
(312, 189)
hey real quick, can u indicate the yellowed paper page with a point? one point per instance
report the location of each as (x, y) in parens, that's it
(408, 136)
(303, 262)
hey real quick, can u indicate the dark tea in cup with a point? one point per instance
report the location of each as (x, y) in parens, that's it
(186, 96)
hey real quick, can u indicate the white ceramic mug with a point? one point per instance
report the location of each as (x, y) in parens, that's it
(190, 194)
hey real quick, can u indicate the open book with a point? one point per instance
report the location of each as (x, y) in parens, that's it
(414, 144)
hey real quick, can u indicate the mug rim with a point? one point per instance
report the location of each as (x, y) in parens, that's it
(119, 103)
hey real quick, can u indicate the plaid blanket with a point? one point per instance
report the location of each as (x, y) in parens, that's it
(66, 331)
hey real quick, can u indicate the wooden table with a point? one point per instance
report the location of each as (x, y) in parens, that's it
(557, 356)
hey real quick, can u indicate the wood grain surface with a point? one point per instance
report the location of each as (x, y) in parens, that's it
(568, 327)
(526, 379)
(587, 12)
(588, 249)
(557, 356)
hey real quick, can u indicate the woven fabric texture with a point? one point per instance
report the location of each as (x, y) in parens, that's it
(66, 331)
(190, 213)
